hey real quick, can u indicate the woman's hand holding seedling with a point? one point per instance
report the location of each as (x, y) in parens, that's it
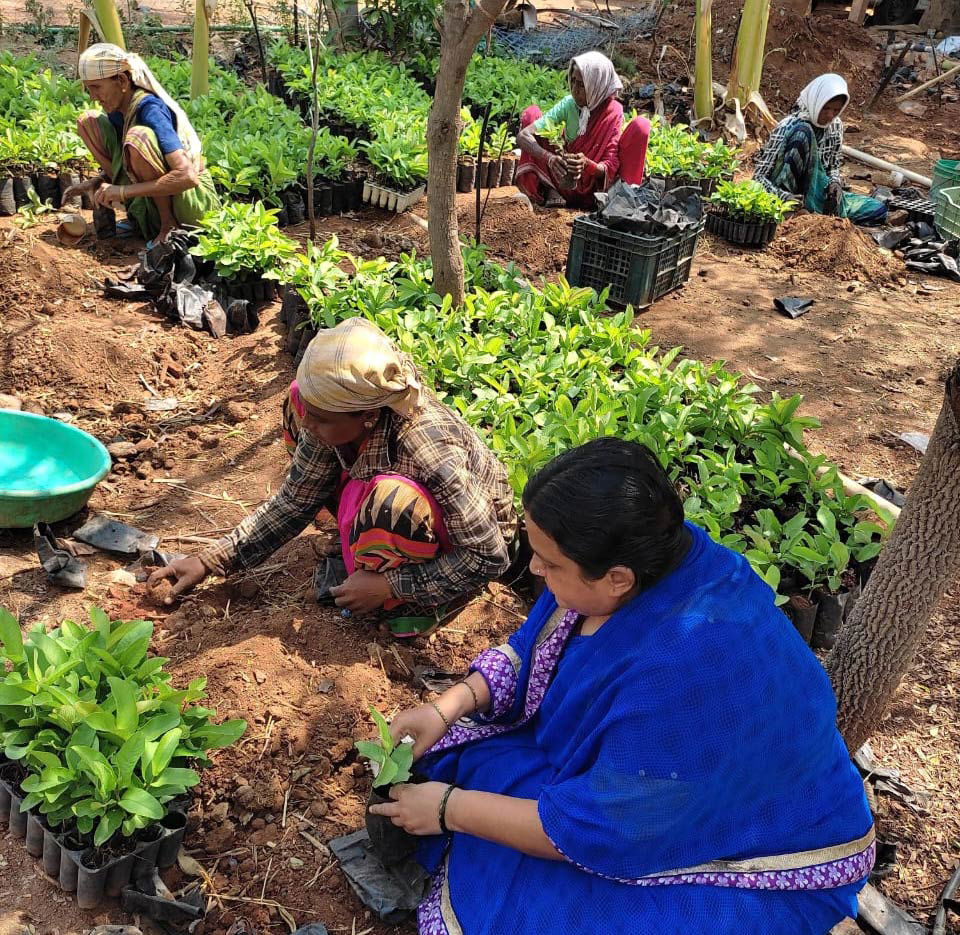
(415, 808)
(574, 164)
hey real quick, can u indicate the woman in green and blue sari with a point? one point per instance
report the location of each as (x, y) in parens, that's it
(801, 160)
(149, 154)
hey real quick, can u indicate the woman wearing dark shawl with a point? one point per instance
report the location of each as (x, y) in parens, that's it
(654, 751)
(594, 152)
(801, 160)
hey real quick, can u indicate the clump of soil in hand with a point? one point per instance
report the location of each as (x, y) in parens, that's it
(161, 593)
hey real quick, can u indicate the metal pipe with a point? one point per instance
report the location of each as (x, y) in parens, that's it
(877, 163)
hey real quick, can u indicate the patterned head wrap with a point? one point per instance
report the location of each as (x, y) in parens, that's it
(818, 93)
(600, 80)
(354, 367)
(105, 60)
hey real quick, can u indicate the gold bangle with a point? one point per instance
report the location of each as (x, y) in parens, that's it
(443, 717)
(123, 192)
(469, 687)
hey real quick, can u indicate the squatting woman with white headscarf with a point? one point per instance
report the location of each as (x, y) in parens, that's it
(149, 154)
(594, 153)
(423, 507)
(801, 160)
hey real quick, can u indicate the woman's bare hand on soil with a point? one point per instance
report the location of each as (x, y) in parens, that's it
(186, 573)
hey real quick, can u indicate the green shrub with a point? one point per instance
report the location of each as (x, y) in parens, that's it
(244, 242)
(750, 201)
(105, 739)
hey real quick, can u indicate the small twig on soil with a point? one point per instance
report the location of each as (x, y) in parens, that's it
(266, 878)
(508, 610)
(319, 845)
(286, 802)
(148, 387)
(263, 902)
(399, 659)
(223, 498)
(266, 739)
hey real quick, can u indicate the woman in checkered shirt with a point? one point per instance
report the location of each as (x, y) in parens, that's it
(801, 160)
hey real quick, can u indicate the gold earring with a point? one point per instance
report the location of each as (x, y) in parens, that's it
(368, 424)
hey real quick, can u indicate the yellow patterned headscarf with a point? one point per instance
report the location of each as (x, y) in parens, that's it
(105, 60)
(354, 367)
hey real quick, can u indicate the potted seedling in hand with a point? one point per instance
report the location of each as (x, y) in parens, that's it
(391, 763)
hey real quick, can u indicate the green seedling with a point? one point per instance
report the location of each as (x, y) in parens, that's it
(390, 762)
(750, 201)
(104, 737)
(554, 133)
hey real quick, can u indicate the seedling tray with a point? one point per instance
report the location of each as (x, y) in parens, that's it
(383, 197)
(638, 269)
(918, 209)
(741, 233)
(68, 863)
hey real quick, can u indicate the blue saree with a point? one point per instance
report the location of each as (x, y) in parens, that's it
(695, 726)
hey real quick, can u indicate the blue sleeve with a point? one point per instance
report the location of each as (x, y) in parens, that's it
(156, 116)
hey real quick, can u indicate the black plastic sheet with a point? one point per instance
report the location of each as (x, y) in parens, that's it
(648, 209)
(392, 895)
(61, 567)
(793, 306)
(184, 289)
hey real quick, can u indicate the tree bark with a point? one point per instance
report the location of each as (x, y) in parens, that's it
(460, 32)
(879, 640)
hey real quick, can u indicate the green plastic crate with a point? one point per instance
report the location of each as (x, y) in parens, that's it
(637, 268)
(947, 218)
(946, 174)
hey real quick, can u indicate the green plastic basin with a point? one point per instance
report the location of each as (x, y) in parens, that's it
(48, 469)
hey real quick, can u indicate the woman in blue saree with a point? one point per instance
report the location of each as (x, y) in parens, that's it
(654, 751)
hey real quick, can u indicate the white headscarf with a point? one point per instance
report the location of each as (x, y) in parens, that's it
(815, 96)
(105, 60)
(600, 79)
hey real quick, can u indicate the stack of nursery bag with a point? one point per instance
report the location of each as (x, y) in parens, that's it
(648, 209)
(184, 288)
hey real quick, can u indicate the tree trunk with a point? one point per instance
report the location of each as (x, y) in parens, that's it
(460, 32)
(921, 560)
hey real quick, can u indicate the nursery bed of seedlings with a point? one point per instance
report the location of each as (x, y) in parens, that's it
(302, 676)
(384, 107)
(540, 370)
(97, 746)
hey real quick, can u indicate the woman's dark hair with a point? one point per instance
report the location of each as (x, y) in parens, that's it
(607, 503)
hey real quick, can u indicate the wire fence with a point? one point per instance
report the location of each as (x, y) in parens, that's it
(556, 44)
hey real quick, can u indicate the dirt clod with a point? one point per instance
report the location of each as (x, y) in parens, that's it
(122, 450)
(161, 593)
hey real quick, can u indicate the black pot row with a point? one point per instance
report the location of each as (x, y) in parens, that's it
(741, 233)
(15, 190)
(296, 317)
(497, 173)
(83, 870)
(252, 290)
(819, 618)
